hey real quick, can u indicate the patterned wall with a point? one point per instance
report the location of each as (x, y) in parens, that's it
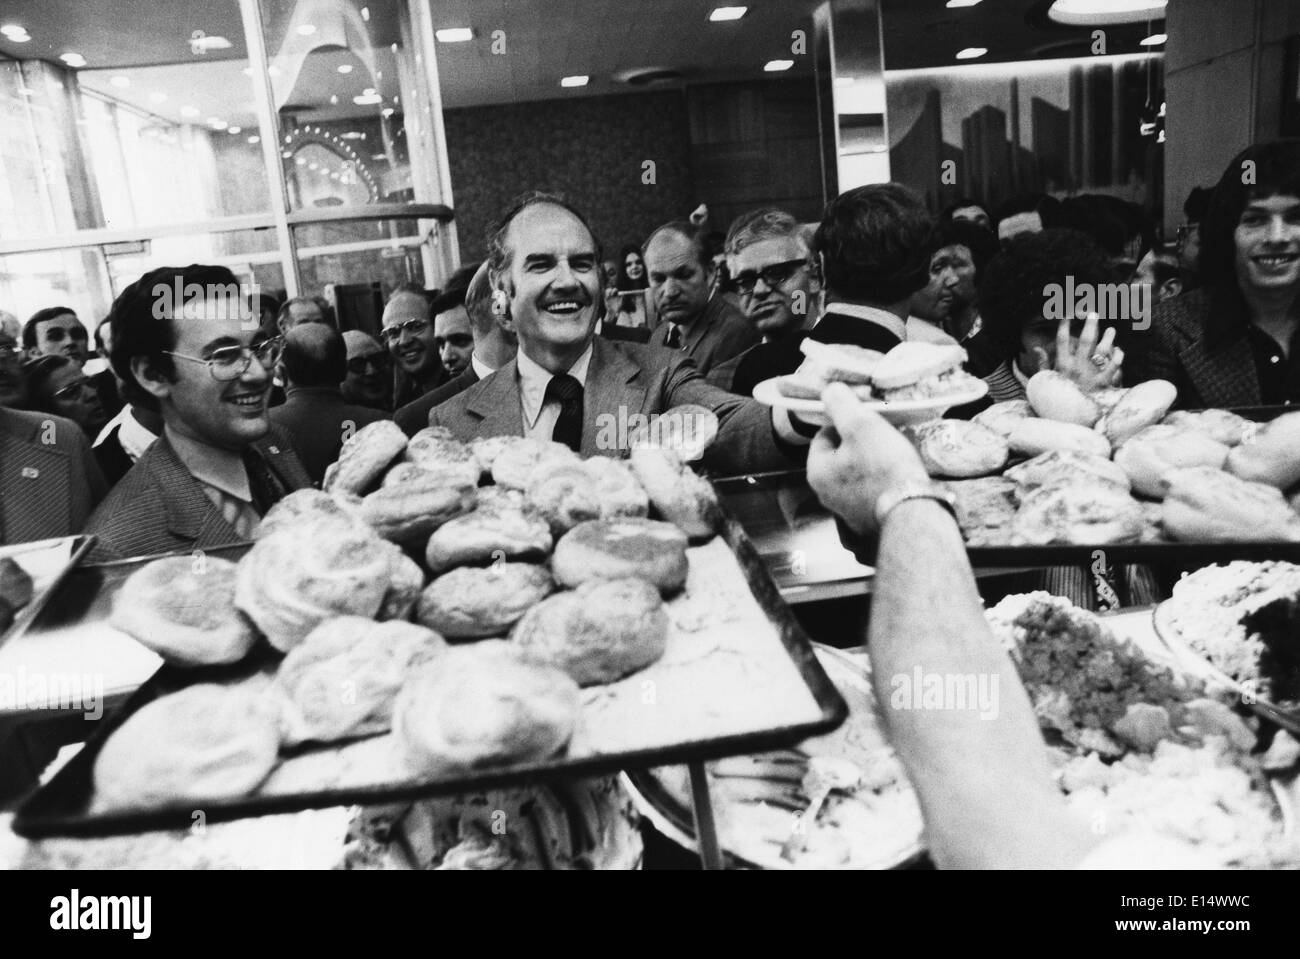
(592, 149)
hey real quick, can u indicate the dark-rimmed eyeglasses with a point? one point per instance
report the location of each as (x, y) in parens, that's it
(74, 389)
(773, 276)
(394, 333)
(231, 362)
(360, 365)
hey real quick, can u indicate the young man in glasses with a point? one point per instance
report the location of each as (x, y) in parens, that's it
(369, 380)
(56, 331)
(408, 334)
(773, 274)
(219, 465)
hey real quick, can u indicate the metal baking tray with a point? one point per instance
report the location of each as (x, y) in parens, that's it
(48, 562)
(62, 806)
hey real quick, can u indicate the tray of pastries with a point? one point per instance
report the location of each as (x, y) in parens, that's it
(442, 618)
(29, 575)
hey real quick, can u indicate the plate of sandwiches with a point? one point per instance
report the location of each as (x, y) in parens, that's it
(912, 383)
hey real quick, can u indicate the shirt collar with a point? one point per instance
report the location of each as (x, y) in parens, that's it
(220, 469)
(481, 369)
(880, 317)
(533, 381)
(1020, 377)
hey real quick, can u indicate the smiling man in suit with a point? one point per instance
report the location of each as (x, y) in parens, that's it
(219, 465)
(570, 385)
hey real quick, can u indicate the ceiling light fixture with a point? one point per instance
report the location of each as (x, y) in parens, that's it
(776, 66)
(306, 29)
(723, 14)
(454, 35)
(1089, 13)
(9, 29)
(217, 123)
(345, 68)
(18, 38)
(73, 59)
(365, 14)
(367, 99)
(201, 45)
(387, 112)
(1155, 40)
(354, 135)
(233, 131)
(955, 4)
(970, 53)
(254, 139)
(576, 81)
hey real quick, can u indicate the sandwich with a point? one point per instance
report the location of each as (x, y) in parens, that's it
(919, 371)
(827, 363)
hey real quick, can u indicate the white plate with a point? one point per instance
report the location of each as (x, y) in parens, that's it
(900, 414)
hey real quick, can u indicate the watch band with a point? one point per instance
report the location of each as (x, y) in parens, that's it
(909, 491)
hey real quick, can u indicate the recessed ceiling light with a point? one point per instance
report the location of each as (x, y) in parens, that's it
(306, 30)
(345, 68)
(189, 111)
(721, 14)
(354, 135)
(970, 53)
(73, 59)
(387, 111)
(9, 29)
(368, 92)
(576, 81)
(961, 3)
(204, 44)
(254, 139)
(1087, 13)
(367, 99)
(120, 81)
(334, 99)
(235, 130)
(1155, 40)
(158, 97)
(365, 14)
(776, 66)
(301, 161)
(216, 123)
(454, 35)
(18, 37)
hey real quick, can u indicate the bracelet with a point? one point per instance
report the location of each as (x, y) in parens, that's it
(909, 491)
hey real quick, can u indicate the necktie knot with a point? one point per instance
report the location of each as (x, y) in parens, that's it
(563, 389)
(566, 391)
(674, 338)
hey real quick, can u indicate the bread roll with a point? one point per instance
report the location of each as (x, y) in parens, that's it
(622, 548)
(486, 449)
(482, 705)
(597, 633)
(1221, 426)
(1001, 417)
(1081, 515)
(410, 511)
(1154, 451)
(405, 582)
(469, 603)
(679, 495)
(513, 466)
(294, 579)
(1272, 456)
(1143, 405)
(1063, 468)
(1108, 397)
(488, 534)
(1056, 397)
(435, 450)
(1031, 436)
(562, 493)
(204, 742)
(364, 456)
(183, 608)
(305, 505)
(344, 677)
(1208, 504)
(960, 449)
(985, 508)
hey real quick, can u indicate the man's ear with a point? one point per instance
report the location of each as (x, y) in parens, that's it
(1170, 287)
(150, 378)
(501, 305)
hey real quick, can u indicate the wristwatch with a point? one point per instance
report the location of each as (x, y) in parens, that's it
(907, 491)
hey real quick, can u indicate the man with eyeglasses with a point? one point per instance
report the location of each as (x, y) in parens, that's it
(56, 331)
(408, 334)
(780, 291)
(369, 380)
(49, 482)
(707, 329)
(220, 464)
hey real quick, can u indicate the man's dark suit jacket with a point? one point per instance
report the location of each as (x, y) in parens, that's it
(414, 417)
(623, 380)
(721, 333)
(49, 482)
(159, 507)
(1179, 347)
(315, 418)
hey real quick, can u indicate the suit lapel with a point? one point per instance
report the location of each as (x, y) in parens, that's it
(694, 337)
(613, 388)
(1228, 373)
(496, 404)
(189, 513)
(34, 478)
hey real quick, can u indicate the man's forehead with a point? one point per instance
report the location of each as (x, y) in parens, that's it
(669, 250)
(952, 251)
(405, 306)
(777, 249)
(301, 309)
(63, 319)
(201, 323)
(548, 229)
(1276, 202)
(452, 319)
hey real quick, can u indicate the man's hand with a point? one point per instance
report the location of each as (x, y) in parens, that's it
(1091, 364)
(857, 459)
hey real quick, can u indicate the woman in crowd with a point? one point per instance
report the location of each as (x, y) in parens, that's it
(630, 304)
(56, 385)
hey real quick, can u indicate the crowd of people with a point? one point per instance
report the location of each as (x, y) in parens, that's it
(208, 415)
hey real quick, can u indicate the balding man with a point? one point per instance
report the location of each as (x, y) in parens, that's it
(408, 334)
(708, 329)
(314, 413)
(494, 347)
(300, 310)
(370, 372)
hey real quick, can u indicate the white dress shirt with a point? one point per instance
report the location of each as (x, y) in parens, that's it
(539, 414)
(481, 369)
(223, 477)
